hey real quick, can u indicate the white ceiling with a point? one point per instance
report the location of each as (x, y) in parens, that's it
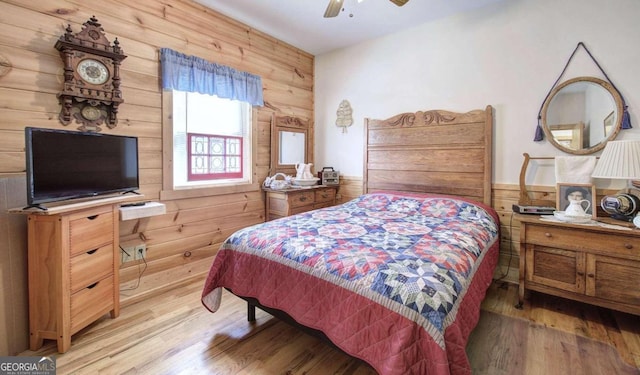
(301, 22)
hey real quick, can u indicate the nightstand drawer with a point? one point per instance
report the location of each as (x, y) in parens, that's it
(301, 199)
(90, 303)
(301, 209)
(570, 238)
(90, 232)
(89, 267)
(281, 203)
(322, 205)
(325, 195)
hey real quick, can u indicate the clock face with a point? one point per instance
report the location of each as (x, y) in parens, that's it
(93, 71)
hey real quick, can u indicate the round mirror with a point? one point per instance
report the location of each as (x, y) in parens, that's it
(580, 115)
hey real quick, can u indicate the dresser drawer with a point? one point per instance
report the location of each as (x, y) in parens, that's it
(91, 302)
(571, 238)
(325, 195)
(301, 209)
(90, 232)
(281, 203)
(91, 266)
(300, 199)
(321, 205)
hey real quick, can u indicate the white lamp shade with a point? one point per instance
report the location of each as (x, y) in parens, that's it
(619, 160)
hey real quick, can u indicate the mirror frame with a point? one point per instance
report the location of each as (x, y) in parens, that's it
(289, 124)
(597, 147)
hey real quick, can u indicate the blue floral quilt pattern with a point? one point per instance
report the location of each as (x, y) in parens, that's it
(415, 255)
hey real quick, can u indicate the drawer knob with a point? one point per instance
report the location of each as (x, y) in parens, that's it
(628, 246)
(92, 217)
(302, 199)
(92, 251)
(93, 285)
(591, 275)
(547, 234)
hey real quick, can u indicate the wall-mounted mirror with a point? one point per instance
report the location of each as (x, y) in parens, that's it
(580, 115)
(290, 144)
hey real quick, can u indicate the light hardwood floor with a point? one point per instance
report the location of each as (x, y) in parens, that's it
(174, 334)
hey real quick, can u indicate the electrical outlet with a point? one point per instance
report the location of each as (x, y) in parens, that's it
(140, 252)
(127, 254)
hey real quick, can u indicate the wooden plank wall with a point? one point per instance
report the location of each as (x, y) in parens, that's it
(503, 197)
(180, 243)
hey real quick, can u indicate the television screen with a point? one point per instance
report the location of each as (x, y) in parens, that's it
(65, 164)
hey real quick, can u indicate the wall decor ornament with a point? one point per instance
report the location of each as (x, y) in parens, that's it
(345, 118)
(91, 90)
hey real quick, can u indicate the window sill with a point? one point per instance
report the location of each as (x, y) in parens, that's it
(167, 195)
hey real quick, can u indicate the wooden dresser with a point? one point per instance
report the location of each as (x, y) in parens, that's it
(587, 263)
(73, 268)
(281, 203)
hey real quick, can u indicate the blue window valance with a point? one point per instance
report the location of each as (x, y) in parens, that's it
(194, 74)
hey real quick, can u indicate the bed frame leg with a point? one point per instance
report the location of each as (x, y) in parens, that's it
(519, 306)
(251, 312)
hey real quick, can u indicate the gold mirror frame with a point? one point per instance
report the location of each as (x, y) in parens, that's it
(579, 129)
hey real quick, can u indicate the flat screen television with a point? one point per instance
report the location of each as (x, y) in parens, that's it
(63, 164)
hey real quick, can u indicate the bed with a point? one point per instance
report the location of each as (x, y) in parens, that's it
(396, 276)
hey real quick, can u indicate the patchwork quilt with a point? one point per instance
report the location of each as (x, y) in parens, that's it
(395, 279)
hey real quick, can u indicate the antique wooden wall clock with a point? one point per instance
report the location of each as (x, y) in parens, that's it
(91, 92)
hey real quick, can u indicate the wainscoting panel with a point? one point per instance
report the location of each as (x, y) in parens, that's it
(14, 295)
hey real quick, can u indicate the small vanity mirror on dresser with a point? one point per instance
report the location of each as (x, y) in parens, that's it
(291, 147)
(580, 115)
(289, 144)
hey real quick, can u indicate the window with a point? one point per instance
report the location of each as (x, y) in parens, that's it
(212, 144)
(213, 157)
(208, 127)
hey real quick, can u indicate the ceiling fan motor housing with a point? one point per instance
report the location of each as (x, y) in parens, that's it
(334, 7)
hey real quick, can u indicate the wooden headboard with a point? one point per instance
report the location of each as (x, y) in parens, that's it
(431, 151)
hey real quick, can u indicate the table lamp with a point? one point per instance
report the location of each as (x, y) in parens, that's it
(620, 160)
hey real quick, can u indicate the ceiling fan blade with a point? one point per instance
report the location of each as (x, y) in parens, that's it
(399, 2)
(333, 8)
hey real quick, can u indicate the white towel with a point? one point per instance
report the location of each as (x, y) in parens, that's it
(574, 169)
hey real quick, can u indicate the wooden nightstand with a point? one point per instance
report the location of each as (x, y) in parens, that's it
(586, 263)
(281, 203)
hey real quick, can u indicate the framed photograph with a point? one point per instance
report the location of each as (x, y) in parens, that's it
(566, 191)
(608, 124)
